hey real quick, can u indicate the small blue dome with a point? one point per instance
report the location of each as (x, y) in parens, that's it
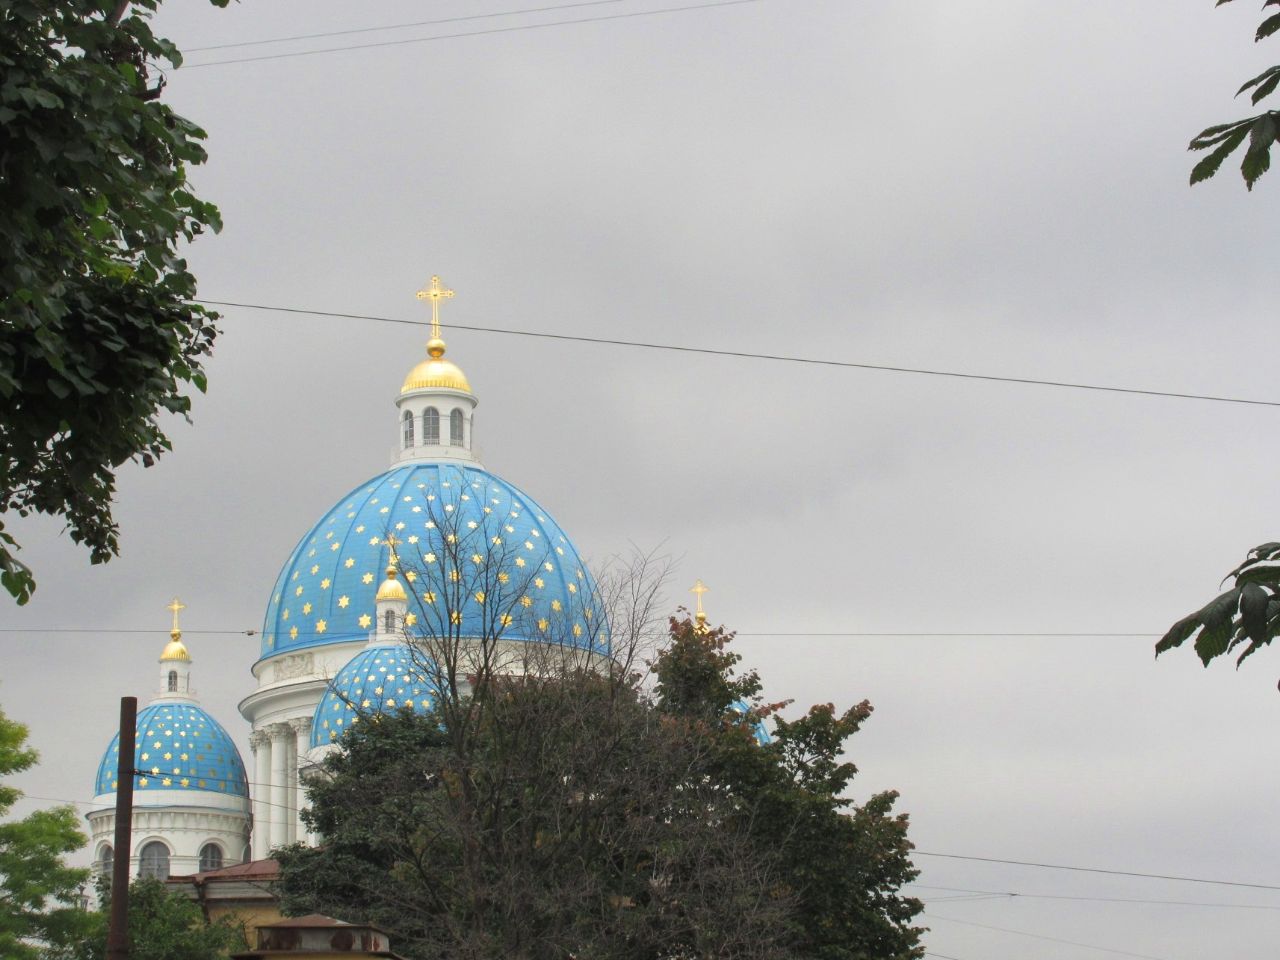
(379, 679)
(180, 748)
(480, 557)
(743, 709)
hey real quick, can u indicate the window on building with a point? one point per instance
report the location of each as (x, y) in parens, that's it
(389, 619)
(455, 428)
(210, 857)
(408, 429)
(153, 860)
(173, 681)
(106, 859)
(431, 425)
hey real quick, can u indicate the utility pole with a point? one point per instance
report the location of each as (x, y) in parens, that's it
(118, 931)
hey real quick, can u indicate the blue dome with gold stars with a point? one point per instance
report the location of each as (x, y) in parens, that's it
(380, 679)
(179, 748)
(480, 557)
(745, 712)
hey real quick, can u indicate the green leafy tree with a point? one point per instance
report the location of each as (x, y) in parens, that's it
(840, 863)
(39, 893)
(98, 337)
(1242, 620)
(1260, 131)
(163, 925)
(566, 811)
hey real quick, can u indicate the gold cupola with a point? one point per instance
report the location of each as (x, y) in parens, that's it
(391, 588)
(436, 372)
(175, 649)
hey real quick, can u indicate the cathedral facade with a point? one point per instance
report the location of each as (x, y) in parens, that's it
(434, 553)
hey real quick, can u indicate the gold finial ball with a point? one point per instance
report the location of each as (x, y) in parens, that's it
(435, 348)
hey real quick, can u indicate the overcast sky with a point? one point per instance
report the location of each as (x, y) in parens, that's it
(991, 187)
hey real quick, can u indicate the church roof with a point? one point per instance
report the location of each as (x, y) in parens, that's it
(178, 748)
(478, 556)
(378, 679)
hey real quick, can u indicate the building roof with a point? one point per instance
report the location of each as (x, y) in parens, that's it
(450, 521)
(178, 748)
(265, 869)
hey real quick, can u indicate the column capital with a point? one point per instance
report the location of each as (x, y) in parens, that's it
(278, 731)
(257, 738)
(300, 724)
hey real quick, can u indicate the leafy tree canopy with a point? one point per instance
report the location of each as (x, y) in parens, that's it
(39, 893)
(97, 334)
(578, 814)
(1242, 620)
(1260, 131)
(163, 925)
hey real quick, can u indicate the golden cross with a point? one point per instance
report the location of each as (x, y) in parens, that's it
(177, 607)
(393, 541)
(435, 293)
(700, 588)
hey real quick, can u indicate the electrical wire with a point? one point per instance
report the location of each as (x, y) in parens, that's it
(1114, 873)
(992, 894)
(398, 26)
(1040, 936)
(471, 33)
(922, 853)
(780, 358)
(766, 633)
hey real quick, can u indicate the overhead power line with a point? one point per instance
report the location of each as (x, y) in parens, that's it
(471, 33)
(1114, 873)
(399, 26)
(1018, 895)
(1040, 936)
(748, 355)
(252, 632)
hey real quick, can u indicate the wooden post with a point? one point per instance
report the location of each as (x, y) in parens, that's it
(118, 931)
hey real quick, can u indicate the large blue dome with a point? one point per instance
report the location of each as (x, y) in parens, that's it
(179, 748)
(382, 678)
(481, 559)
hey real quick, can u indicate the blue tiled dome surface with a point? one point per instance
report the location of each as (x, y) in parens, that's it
(179, 748)
(325, 591)
(381, 678)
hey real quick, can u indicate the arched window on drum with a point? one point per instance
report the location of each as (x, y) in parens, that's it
(153, 860)
(456, 428)
(431, 425)
(210, 857)
(408, 429)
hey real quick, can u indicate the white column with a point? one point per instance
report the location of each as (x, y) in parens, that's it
(302, 742)
(261, 793)
(280, 812)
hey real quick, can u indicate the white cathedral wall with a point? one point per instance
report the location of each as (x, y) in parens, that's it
(290, 686)
(184, 830)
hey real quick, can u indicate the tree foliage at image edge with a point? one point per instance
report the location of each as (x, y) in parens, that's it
(39, 893)
(1261, 131)
(1248, 614)
(97, 335)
